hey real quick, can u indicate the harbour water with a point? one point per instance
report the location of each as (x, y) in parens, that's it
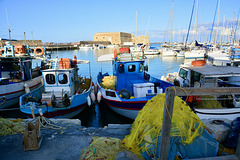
(99, 115)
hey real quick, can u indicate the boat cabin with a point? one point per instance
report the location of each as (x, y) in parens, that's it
(58, 80)
(129, 75)
(206, 75)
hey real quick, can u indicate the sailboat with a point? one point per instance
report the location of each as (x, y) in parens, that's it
(197, 51)
(169, 51)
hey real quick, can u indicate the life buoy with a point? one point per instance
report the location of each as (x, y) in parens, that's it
(198, 63)
(36, 51)
(19, 49)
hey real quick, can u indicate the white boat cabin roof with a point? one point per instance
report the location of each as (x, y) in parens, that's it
(215, 71)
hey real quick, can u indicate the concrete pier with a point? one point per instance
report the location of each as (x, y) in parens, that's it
(63, 144)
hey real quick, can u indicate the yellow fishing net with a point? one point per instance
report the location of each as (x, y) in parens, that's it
(8, 127)
(208, 102)
(102, 148)
(148, 124)
(108, 83)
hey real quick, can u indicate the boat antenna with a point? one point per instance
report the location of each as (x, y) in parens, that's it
(9, 31)
(32, 38)
(189, 24)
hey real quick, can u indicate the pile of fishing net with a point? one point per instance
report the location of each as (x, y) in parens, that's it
(8, 127)
(206, 101)
(188, 138)
(102, 148)
(108, 83)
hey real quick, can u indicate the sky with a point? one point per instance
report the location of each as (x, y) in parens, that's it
(79, 20)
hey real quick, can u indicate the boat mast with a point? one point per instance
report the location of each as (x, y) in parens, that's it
(213, 23)
(189, 24)
(234, 37)
(196, 36)
(217, 24)
(172, 22)
(168, 23)
(148, 26)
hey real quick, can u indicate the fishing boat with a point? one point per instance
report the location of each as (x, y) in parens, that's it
(64, 93)
(85, 47)
(199, 74)
(16, 74)
(151, 51)
(129, 88)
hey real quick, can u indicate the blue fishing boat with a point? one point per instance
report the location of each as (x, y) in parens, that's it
(130, 86)
(64, 93)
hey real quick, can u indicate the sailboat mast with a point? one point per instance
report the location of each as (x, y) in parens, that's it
(148, 26)
(172, 39)
(217, 23)
(196, 36)
(189, 24)
(213, 23)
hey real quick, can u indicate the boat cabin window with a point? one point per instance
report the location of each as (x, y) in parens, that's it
(183, 73)
(62, 78)
(121, 68)
(50, 79)
(131, 68)
(140, 67)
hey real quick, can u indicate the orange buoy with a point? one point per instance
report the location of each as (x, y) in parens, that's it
(37, 49)
(198, 63)
(19, 49)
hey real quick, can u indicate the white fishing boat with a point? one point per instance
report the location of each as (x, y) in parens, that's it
(85, 47)
(199, 74)
(64, 94)
(16, 75)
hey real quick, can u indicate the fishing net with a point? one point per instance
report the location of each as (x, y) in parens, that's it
(147, 127)
(108, 83)
(102, 148)
(8, 127)
(208, 102)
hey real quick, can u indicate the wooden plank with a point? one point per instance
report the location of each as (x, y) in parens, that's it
(166, 126)
(207, 91)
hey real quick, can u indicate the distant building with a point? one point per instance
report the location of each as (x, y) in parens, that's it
(119, 38)
(141, 39)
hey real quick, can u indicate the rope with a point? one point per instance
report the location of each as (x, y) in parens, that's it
(45, 123)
